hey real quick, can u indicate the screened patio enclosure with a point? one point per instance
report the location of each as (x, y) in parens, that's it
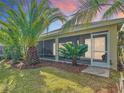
(101, 38)
(96, 54)
(46, 49)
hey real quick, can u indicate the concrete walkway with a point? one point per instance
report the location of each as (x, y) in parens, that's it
(97, 71)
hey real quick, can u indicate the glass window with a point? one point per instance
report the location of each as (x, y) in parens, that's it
(49, 49)
(100, 48)
(40, 49)
(86, 39)
(99, 44)
(46, 49)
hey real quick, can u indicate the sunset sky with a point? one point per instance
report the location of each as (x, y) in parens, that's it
(68, 7)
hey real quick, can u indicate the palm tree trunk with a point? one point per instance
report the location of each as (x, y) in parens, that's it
(32, 55)
(74, 61)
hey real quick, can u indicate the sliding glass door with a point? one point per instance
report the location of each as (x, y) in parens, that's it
(100, 49)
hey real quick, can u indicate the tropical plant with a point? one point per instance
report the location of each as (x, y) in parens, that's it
(120, 52)
(73, 52)
(11, 41)
(12, 52)
(89, 9)
(26, 23)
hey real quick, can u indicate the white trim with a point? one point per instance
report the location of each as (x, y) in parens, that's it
(91, 49)
(56, 49)
(108, 45)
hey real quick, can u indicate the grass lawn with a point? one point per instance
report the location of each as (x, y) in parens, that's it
(50, 80)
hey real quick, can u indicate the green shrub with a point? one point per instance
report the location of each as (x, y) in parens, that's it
(73, 52)
(13, 52)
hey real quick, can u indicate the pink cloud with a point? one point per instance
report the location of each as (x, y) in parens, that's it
(121, 14)
(70, 6)
(66, 6)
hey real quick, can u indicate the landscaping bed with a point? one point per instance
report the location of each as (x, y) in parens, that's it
(46, 63)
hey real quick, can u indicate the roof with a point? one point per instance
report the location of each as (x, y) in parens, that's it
(87, 26)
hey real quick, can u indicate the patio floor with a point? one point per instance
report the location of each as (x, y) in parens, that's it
(97, 71)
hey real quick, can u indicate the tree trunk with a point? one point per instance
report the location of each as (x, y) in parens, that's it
(74, 61)
(32, 56)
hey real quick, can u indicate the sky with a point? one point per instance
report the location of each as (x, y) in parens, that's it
(68, 7)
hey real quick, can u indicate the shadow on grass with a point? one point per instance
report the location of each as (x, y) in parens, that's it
(84, 80)
(20, 81)
(42, 80)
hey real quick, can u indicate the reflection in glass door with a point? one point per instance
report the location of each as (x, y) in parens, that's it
(100, 48)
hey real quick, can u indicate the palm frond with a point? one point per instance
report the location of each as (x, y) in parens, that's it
(25, 23)
(115, 8)
(70, 50)
(86, 13)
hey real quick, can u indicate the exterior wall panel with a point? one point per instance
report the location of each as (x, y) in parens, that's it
(113, 46)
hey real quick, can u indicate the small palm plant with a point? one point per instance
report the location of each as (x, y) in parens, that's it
(73, 52)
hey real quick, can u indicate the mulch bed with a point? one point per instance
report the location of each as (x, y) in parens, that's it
(46, 63)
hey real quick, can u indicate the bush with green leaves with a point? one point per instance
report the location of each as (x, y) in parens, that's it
(72, 51)
(13, 52)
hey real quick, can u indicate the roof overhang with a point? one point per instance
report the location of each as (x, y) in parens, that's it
(82, 27)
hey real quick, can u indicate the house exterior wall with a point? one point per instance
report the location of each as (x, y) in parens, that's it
(112, 40)
(113, 46)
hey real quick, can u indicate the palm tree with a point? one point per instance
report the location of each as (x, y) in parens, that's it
(73, 52)
(90, 8)
(29, 20)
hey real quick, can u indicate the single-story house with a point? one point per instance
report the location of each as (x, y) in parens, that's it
(101, 38)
